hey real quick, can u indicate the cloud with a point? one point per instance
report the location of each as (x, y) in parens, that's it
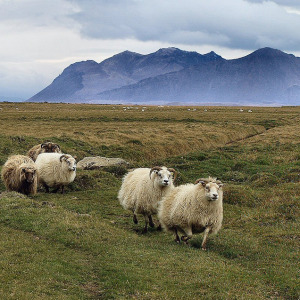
(291, 3)
(39, 38)
(231, 23)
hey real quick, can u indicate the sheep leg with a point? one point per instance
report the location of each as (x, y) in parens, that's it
(159, 227)
(62, 189)
(151, 221)
(206, 232)
(145, 230)
(135, 220)
(177, 239)
(189, 234)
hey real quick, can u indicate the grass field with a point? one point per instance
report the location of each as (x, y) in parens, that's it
(83, 245)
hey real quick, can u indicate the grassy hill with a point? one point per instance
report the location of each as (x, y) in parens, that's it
(83, 245)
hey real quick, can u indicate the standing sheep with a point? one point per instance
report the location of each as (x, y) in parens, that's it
(143, 188)
(46, 147)
(19, 174)
(56, 170)
(193, 208)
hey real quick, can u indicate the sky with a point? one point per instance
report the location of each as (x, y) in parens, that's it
(40, 38)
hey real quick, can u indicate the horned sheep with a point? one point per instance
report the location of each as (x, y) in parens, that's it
(19, 174)
(193, 208)
(56, 170)
(143, 188)
(46, 147)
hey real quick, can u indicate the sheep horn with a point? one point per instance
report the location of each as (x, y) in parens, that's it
(202, 180)
(174, 173)
(62, 157)
(155, 169)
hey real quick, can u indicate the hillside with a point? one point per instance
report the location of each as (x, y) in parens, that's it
(265, 77)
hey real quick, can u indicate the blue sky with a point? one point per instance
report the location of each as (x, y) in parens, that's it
(39, 38)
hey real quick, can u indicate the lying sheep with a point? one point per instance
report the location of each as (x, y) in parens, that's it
(193, 208)
(143, 188)
(46, 147)
(19, 174)
(56, 170)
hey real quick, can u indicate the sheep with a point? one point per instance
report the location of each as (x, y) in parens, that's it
(143, 188)
(19, 174)
(193, 208)
(56, 170)
(46, 147)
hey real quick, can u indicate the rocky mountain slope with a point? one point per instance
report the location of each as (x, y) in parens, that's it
(265, 77)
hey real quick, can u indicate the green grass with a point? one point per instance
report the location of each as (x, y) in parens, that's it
(83, 245)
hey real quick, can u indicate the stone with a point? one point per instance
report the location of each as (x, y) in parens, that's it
(97, 162)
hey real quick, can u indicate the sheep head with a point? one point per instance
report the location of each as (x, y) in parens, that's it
(69, 160)
(212, 187)
(28, 174)
(50, 147)
(163, 175)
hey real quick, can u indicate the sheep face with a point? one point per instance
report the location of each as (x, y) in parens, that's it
(28, 174)
(69, 161)
(212, 189)
(163, 177)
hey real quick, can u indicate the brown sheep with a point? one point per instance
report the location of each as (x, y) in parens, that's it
(43, 148)
(19, 174)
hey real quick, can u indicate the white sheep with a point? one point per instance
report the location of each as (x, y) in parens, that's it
(56, 170)
(193, 208)
(143, 188)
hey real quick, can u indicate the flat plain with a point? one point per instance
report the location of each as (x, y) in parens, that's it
(83, 245)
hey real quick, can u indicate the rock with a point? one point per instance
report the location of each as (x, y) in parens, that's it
(97, 162)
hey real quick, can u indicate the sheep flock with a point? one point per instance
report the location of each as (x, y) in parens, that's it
(185, 209)
(44, 164)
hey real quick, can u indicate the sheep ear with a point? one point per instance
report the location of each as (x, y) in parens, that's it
(219, 183)
(174, 173)
(43, 145)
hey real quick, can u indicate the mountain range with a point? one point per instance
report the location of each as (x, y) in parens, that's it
(173, 76)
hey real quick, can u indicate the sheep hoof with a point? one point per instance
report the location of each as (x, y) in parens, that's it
(177, 240)
(159, 228)
(145, 230)
(204, 248)
(185, 239)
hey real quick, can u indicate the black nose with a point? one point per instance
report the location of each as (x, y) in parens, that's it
(166, 181)
(215, 195)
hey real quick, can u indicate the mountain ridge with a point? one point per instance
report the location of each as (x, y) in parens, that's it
(172, 75)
